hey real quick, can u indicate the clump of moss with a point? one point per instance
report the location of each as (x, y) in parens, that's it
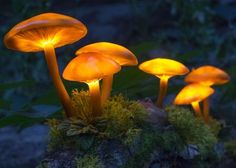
(230, 147)
(56, 137)
(191, 129)
(81, 105)
(155, 140)
(214, 125)
(121, 119)
(123, 116)
(88, 161)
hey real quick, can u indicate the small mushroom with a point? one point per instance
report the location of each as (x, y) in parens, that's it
(89, 68)
(207, 75)
(45, 32)
(164, 69)
(193, 94)
(118, 53)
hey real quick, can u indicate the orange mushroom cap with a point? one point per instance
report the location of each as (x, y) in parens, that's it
(120, 54)
(207, 75)
(88, 67)
(163, 67)
(193, 93)
(32, 34)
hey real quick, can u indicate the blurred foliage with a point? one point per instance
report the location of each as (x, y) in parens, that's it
(196, 32)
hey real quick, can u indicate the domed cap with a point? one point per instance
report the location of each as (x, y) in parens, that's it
(207, 75)
(193, 93)
(88, 67)
(163, 67)
(32, 34)
(120, 54)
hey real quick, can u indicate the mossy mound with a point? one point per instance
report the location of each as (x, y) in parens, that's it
(123, 137)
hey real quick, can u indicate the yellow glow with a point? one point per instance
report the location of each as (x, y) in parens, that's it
(197, 109)
(207, 75)
(193, 93)
(120, 54)
(88, 67)
(94, 90)
(163, 67)
(34, 33)
(45, 43)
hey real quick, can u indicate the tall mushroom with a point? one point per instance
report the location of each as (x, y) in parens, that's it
(193, 94)
(90, 68)
(207, 75)
(164, 69)
(45, 32)
(118, 53)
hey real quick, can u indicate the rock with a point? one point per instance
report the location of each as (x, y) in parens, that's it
(190, 151)
(113, 154)
(24, 148)
(156, 116)
(60, 159)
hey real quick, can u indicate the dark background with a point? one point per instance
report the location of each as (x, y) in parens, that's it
(194, 32)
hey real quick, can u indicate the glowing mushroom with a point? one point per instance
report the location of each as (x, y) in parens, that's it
(120, 54)
(207, 75)
(193, 94)
(45, 32)
(163, 69)
(90, 68)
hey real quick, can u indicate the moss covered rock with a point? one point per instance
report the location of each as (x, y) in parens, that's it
(125, 136)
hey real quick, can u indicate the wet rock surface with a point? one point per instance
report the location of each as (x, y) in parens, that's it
(60, 159)
(22, 148)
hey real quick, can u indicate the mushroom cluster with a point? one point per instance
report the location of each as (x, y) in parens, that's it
(199, 88)
(93, 62)
(101, 60)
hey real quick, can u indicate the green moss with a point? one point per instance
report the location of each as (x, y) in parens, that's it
(191, 129)
(88, 161)
(230, 147)
(81, 105)
(42, 165)
(56, 137)
(121, 119)
(214, 125)
(124, 120)
(123, 116)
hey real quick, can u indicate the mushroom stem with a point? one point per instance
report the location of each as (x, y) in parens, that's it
(54, 71)
(206, 109)
(162, 91)
(197, 109)
(106, 88)
(94, 90)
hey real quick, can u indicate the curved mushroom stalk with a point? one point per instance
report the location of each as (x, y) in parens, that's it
(106, 88)
(45, 32)
(206, 109)
(197, 109)
(94, 90)
(162, 91)
(54, 71)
